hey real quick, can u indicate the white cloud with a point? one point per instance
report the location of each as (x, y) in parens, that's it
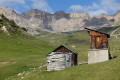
(11, 2)
(42, 5)
(36, 4)
(18, 1)
(15, 4)
(76, 8)
(83, 8)
(105, 6)
(110, 5)
(97, 12)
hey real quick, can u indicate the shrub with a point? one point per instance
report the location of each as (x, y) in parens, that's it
(24, 29)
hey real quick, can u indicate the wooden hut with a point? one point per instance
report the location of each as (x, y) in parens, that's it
(61, 58)
(99, 40)
(99, 51)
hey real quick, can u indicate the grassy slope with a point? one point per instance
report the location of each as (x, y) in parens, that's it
(28, 54)
(80, 41)
(20, 54)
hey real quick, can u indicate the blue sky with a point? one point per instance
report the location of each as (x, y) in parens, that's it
(93, 7)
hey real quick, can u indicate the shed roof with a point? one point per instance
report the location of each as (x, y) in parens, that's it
(99, 32)
(65, 47)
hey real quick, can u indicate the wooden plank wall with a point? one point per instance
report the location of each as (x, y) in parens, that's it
(98, 40)
(63, 49)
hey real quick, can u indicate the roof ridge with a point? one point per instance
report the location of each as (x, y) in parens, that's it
(69, 48)
(98, 31)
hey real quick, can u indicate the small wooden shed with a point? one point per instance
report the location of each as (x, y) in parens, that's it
(61, 57)
(99, 40)
(99, 51)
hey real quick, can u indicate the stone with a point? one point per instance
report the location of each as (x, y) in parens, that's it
(117, 16)
(98, 55)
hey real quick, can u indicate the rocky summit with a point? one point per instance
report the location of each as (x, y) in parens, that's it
(35, 20)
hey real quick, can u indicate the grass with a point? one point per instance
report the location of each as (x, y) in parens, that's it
(109, 70)
(20, 54)
(26, 57)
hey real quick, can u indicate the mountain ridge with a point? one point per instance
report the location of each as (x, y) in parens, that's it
(34, 20)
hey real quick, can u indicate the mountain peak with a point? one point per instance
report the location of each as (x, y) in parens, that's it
(34, 12)
(6, 9)
(60, 12)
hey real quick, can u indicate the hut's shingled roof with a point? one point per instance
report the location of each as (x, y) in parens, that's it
(98, 31)
(65, 47)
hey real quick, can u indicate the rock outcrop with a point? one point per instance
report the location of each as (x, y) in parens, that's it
(108, 17)
(117, 16)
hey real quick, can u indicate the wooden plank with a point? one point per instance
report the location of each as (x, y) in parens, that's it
(93, 42)
(98, 40)
(63, 49)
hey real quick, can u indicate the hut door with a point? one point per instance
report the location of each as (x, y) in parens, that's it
(98, 42)
(67, 60)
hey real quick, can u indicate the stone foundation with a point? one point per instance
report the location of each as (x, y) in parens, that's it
(97, 55)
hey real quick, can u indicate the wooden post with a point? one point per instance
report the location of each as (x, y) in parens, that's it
(93, 42)
(105, 42)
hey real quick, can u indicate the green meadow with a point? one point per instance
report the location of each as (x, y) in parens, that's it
(24, 58)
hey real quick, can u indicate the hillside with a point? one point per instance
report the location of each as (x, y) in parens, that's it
(25, 59)
(10, 28)
(24, 54)
(19, 54)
